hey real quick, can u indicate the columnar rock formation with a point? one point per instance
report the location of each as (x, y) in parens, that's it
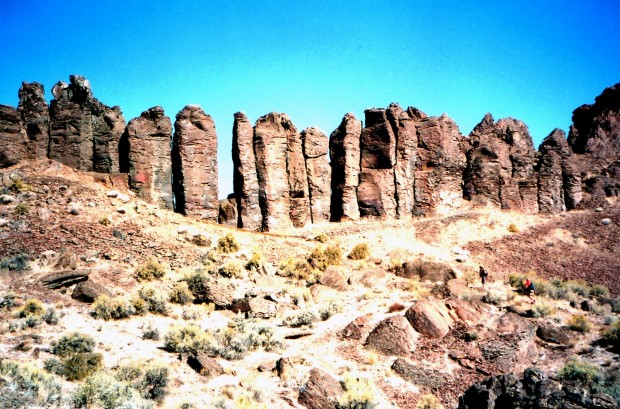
(245, 179)
(12, 141)
(35, 116)
(344, 150)
(403, 124)
(84, 133)
(315, 147)
(150, 165)
(194, 164)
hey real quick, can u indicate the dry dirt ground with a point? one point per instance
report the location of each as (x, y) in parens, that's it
(63, 221)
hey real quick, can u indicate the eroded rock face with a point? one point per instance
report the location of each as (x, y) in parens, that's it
(321, 391)
(315, 147)
(12, 141)
(403, 124)
(500, 165)
(299, 193)
(194, 164)
(35, 116)
(344, 151)
(430, 318)
(228, 211)
(84, 133)
(245, 179)
(150, 165)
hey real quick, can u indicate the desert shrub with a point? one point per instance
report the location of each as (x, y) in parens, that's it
(50, 316)
(197, 284)
(396, 307)
(201, 240)
(155, 300)
(189, 338)
(151, 269)
(611, 335)
(21, 209)
(149, 380)
(73, 343)
(578, 287)
(300, 319)
(541, 310)
(180, 293)
(493, 297)
(579, 323)
(512, 228)
(31, 307)
(105, 391)
(18, 186)
(19, 262)
(107, 308)
(227, 244)
(333, 307)
(470, 276)
(230, 269)
(105, 220)
(76, 367)
(255, 263)
(322, 258)
(358, 394)
(429, 402)
(471, 336)
(150, 332)
(298, 269)
(584, 372)
(598, 290)
(31, 321)
(615, 305)
(35, 383)
(240, 336)
(359, 252)
(322, 238)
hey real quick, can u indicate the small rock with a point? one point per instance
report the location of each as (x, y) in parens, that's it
(113, 193)
(123, 197)
(48, 254)
(92, 204)
(6, 199)
(3, 222)
(121, 210)
(118, 234)
(74, 211)
(598, 209)
(606, 222)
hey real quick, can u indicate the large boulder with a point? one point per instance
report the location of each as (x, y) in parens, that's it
(194, 164)
(393, 336)
(315, 148)
(88, 291)
(228, 211)
(245, 179)
(419, 374)
(321, 391)
(426, 270)
(430, 317)
(35, 116)
(12, 141)
(344, 151)
(150, 165)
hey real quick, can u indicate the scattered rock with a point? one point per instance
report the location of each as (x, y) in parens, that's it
(4, 222)
(554, 335)
(606, 222)
(204, 365)
(63, 279)
(113, 193)
(418, 374)
(88, 291)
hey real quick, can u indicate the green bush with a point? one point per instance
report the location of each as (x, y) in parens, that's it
(104, 391)
(189, 338)
(611, 335)
(301, 319)
(227, 244)
(45, 388)
(107, 308)
(322, 238)
(50, 316)
(73, 343)
(330, 309)
(18, 186)
(598, 290)
(255, 263)
(541, 310)
(150, 332)
(180, 293)
(360, 252)
(587, 374)
(31, 307)
(32, 321)
(322, 258)
(155, 300)
(198, 285)
(240, 336)
(150, 380)
(150, 270)
(578, 287)
(19, 262)
(76, 367)
(493, 297)
(358, 394)
(579, 323)
(231, 269)
(298, 269)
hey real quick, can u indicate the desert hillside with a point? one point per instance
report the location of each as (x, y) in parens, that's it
(108, 301)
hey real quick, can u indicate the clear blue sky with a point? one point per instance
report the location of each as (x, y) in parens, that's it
(317, 60)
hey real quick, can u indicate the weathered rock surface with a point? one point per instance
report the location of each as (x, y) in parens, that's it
(418, 374)
(344, 151)
(315, 147)
(12, 141)
(35, 116)
(88, 291)
(228, 211)
(245, 179)
(150, 165)
(204, 364)
(321, 391)
(393, 336)
(403, 125)
(194, 164)
(84, 133)
(299, 193)
(63, 279)
(426, 270)
(430, 318)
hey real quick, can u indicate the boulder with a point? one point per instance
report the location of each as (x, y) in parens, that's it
(194, 164)
(430, 318)
(150, 166)
(321, 391)
(228, 211)
(356, 329)
(555, 335)
(344, 151)
(245, 179)
(63, 279)
(13, 148)
(315, 146)
(419, 374)
(204, 365)
(426, 270)
(334, 278)
(393, 336)
(35, 116)
(88, 291)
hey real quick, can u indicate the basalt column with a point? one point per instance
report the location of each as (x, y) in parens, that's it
(12, 140)
(344, 151)
(35, 116)
(245, 180)
(150, 168)
(403, 126)
(194, 164)
(315, 147)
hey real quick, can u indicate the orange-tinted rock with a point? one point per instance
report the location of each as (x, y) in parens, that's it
(430, 318)
(245, 179)
(344, 151)
(321, 391)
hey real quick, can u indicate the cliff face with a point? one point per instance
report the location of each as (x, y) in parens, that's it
(399, 164)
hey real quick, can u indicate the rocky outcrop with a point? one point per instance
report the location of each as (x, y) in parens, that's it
(245, 179)
(12, 141)
(315, 147)
(150, 166)
(194, 164)
(393, 336)
(84, 133)
(321, 391)
(403, 124)
(35, 116)
(559, 182)
(299, 193)
(344, 151)
(500, 165)
(430, 318)
(228, 211)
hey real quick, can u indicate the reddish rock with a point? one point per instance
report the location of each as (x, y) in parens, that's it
(430, 318)
(12, 140)
(299, 194)
(357, 328)
(194, 164)
(245, 179)
(88, 291)
(403, 124)
(35, 116)
(315, 147)
(321, 391)
(204, 365)
(426, 270)
(228, 211)
(344, 151)
(150, 167)
(393, 336)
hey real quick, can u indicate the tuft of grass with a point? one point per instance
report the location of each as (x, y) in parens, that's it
(598, 290)
(50, 316)
(228, 244)
(542, 310)
(105, 391)
(255, 263)
(150, 332)
(584, 372)
(321, 258)
(579, 323)
(105, 220)
(611, 335)
(359, 252)
(32, 307)
(512, 228)
(150, 270)
(358, 394)
(322, 238)
(333, 307)
(493, 297)
(18, 186)
(301, 319)
(298, 269)
(180, 293)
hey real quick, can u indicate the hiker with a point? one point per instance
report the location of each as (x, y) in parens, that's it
(528, 288)
(483, 276)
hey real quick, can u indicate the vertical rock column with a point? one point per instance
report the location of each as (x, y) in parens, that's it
(194, 164)
(403, 125)
(150, 168)
(344, 150)
(299, 194)
(12, 140)
(245, 179)
(315, 147)
(35, 116)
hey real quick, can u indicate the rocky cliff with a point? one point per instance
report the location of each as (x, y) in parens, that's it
(400, 163)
